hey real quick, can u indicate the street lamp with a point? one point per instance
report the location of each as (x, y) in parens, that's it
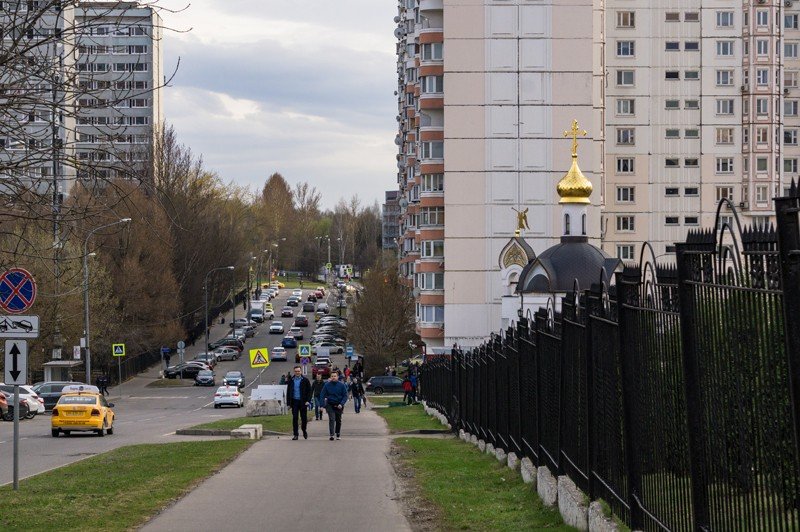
(205, 289)
(86, 294)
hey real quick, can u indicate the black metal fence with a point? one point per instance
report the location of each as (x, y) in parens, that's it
(671, 393)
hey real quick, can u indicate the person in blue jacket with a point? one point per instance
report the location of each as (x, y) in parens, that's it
(333, 397)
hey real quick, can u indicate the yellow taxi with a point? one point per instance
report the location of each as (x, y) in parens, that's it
(268, 306)
(82, 408)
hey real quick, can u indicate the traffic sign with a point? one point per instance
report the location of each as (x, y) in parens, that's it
(304, 350)
(76, 352)
(349, 350)
(329, 266)
(16, 362)
(17, 290)
(259, 358)
(118, 350)
(19, 326)
(181, 344)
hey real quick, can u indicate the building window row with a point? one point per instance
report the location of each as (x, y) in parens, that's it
(103, 49)
(430, 281)
(676, 191)
(432, 182)
(430, 313)
(687, 220)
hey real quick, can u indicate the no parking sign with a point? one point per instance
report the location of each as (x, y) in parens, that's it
(17, 290)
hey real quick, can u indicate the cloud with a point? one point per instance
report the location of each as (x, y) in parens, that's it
(303, 87)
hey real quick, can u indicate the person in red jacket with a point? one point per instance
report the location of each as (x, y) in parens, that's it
(407, 388)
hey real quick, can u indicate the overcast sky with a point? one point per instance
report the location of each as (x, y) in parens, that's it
(301, 87)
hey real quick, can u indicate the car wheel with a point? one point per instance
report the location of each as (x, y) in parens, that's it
(30, 414)
(110, 430)
(67, 433)
(216, 406)
(378, 391)
(8, 416)
(54, 433)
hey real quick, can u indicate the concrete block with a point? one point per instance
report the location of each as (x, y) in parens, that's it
(461, 434)
(243, 434)
(482, 446)
(489, 448)
(473, 439)
(528, 471)
(258, 428)
(572, 504)
(598, 522)
(263, 407)
(546, 486)
(500, 454)
(512, 461)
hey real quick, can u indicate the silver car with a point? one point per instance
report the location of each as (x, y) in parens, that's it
(227, 353)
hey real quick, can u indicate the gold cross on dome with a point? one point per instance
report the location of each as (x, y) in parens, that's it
(574, 133)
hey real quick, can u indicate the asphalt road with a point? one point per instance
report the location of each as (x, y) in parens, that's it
(147, 414)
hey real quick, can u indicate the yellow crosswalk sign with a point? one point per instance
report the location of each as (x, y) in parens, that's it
(259, 358)
(118, 350)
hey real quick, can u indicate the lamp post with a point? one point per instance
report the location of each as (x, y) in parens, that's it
(86, 294)
(205, 289)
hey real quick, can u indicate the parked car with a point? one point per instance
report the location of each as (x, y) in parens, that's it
(242, 323)
(3, 406)
(276, 327)
(384, 383)
(227, 342)
(287, 312)
(321, 367)
(278, 353)
(289, 341)
(189, 371)
(234, 378)
(26, 393)
(24, 409)
(227, 353)
(205, 378)
(297, 332)
(324, 307)
(228, 395)
(334, 347)
(210, 359)
(50, 392)
(301, 321)
(256, 314)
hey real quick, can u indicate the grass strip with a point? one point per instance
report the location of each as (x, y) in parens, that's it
(171, 383)
(384, 399)
(473, 491)
(403, 418)
(281, 423)
(117, 490)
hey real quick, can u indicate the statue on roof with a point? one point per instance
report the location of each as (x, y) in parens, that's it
(522, 219)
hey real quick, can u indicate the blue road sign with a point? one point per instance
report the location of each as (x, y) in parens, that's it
(17, 290)
(350, 351)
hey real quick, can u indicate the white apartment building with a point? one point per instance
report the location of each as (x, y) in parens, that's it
(701, 103)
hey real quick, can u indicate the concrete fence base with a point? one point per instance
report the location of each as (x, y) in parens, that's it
(489, 448)
(512, 461)
(481, 445)
(500, 454)
(598, 522)
(546, 486)
(572, 504)
(528, 471)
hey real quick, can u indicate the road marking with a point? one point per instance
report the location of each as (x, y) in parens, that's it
(159, 397)
(169, 433)
(202, 407)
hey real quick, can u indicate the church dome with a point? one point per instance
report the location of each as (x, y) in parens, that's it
(565, 262)
(574, 187)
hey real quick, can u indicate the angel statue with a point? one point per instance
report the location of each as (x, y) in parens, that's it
(522, 219)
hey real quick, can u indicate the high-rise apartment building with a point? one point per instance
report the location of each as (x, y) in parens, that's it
(685, 103)
(390, 216)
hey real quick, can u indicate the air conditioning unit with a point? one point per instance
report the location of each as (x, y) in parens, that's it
(744, 88)
(744, 205)
(786, 91)
(788, 3)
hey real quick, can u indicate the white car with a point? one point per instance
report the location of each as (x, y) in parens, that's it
(279, 353)
(26, 393)
(228, 395)
(227, 353)
(297, 332)
(276, 327)
(298, 293)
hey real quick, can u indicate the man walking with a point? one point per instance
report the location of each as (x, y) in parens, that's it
(316, 389)
(334, 396)
(298, 393)
(357, 392)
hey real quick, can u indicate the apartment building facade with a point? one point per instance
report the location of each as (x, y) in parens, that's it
(390, 216)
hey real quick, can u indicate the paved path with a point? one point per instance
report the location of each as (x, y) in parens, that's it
(314, 484)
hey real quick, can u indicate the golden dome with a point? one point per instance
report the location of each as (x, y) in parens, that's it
(574, 187)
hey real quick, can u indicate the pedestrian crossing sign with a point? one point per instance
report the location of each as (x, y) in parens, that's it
(259, 358)
(305, 350)
(118, 350)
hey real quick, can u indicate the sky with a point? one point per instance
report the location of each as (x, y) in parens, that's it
(300, 87)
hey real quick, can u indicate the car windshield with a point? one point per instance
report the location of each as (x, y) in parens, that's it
(77, 400)
(205, 373)
(233, 375)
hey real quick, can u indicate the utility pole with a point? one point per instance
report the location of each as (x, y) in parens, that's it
(327, 272)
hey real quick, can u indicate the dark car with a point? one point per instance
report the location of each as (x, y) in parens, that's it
(189, 371)
(381, 384)
(309, 307)
(228, 341)
(205, 378)
(233, 378)
(301, 321)
(312, 298)
(50, 392)
(289, 342)
(292, 302)
(287, 312)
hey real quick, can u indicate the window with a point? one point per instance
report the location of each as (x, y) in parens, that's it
(691, 46)
(724, 220)
(671, 220)
(762, 77)
(724, 165)
(432, 84)
(626, 19)
(790, 78)
(433, 149)
(790, 165)
(625, 194)
(672, 162)
(691, 133)
(673, 134)
(724, 19)
(672, 104)
(725, 106)
(762, 106)
(724, 135)
(672, 46)
(432, 51)
(625, 78)
(691, 74)
(626, 136)
(691, 104)
(790, 107)
(432, 248)
(672, 191)
(762, 136)
(432, 182)
(790, 21)
(790, 137)
(624, 165)
(431, 216)
(762, 47)
(672, 17)
(762, 194)
(745, 135)
(790, 50)
(724, 193)
(724, 48)
(431, 314)
(691, 162)
(672, 75)
(724, 78)
(625, 223)
(567, 228)
(762, 18)
(625, 107)
(691, 16)
(625, 49)
(430, 281)
(625, 251)
(761, 221)
(690, 220)
(761, 164)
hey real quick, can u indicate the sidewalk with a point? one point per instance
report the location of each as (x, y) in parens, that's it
(314, 484)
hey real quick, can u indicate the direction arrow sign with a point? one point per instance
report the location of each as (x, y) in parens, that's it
(19, 326)
(259, 358)
(16, 362)
(304, 350)
(118, 350)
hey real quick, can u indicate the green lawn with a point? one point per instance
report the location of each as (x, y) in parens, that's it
(384, 399)
(473, 491)
(117, 490)
(403, 418)
(273, 423)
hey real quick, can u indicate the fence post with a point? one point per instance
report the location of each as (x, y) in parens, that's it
(589, 361)
(691, 369)
(787, 211)
(627, 292)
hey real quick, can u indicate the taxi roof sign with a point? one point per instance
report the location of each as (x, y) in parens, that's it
(259, 358)
(80, 388)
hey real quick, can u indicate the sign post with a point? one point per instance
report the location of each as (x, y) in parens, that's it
(118, 350)
(16, 365)
(305, 356)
